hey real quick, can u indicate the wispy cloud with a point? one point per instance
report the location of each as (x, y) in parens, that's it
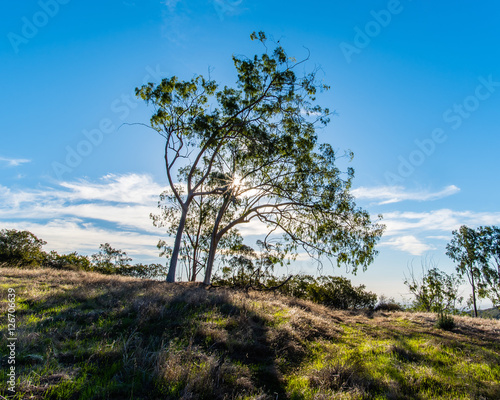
(443, 220)
(125, 200)
(14, 162)
(80, 215)
(395, 194)
(418, 232)
(409, 244)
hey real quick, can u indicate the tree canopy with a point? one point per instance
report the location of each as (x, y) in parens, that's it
(252, 152)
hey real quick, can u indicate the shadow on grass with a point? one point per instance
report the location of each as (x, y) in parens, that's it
(105, 341)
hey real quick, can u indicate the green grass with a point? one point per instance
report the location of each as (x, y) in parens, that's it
(89, 336)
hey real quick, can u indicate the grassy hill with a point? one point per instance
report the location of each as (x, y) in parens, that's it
(90, 336)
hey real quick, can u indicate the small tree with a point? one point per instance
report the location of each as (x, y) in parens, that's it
(21, 248)
(489, 238)
(434, 291)
(465, 249)
(109, 260)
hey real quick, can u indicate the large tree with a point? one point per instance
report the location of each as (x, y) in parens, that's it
(253, 150)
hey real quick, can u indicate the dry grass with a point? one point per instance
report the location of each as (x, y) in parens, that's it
(90, 336)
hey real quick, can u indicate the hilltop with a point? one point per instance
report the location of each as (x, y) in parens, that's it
(82, 335)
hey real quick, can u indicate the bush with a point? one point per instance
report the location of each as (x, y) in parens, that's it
(21, 248)
(445, 322)
(338, 292)
(332, 291)
(72, 261)
(388, 304)
(146, 271)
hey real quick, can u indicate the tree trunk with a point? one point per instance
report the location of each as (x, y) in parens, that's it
(193, 266)
(473, 292)
(177, 246)
(214, 241)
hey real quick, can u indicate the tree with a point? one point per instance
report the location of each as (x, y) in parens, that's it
(435, 291)
(109, 260)
(465, 249)
(489, 238)
(21, 247)
(261, 133)
(195, 134)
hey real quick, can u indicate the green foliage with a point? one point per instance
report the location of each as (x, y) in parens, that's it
(21, 248)
(445, 322)
(251, 152)
(331, 291)
(435, 291)
(146, 271)
(108, 260)
(68, 261)
(470, 250)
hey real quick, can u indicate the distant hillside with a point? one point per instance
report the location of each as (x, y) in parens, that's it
(493, 313)
(90, 336)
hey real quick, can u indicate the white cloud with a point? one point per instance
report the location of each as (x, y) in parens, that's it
(78, 216)
(125, 200)
(132, 188)
(395, 194)
(14, 162)
(443, 220)
(439, 237)
(409, 244)
(413, 232)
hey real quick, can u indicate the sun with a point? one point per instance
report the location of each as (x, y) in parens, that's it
(236, 181)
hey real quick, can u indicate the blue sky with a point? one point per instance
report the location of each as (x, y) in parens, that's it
(416, 87)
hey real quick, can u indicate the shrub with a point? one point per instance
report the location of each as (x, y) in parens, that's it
(338, 292)
(21, 248)
(72, 261)
(147, 271)
(332, 291)
(445, 322)
(435, 291)
(388, 304)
